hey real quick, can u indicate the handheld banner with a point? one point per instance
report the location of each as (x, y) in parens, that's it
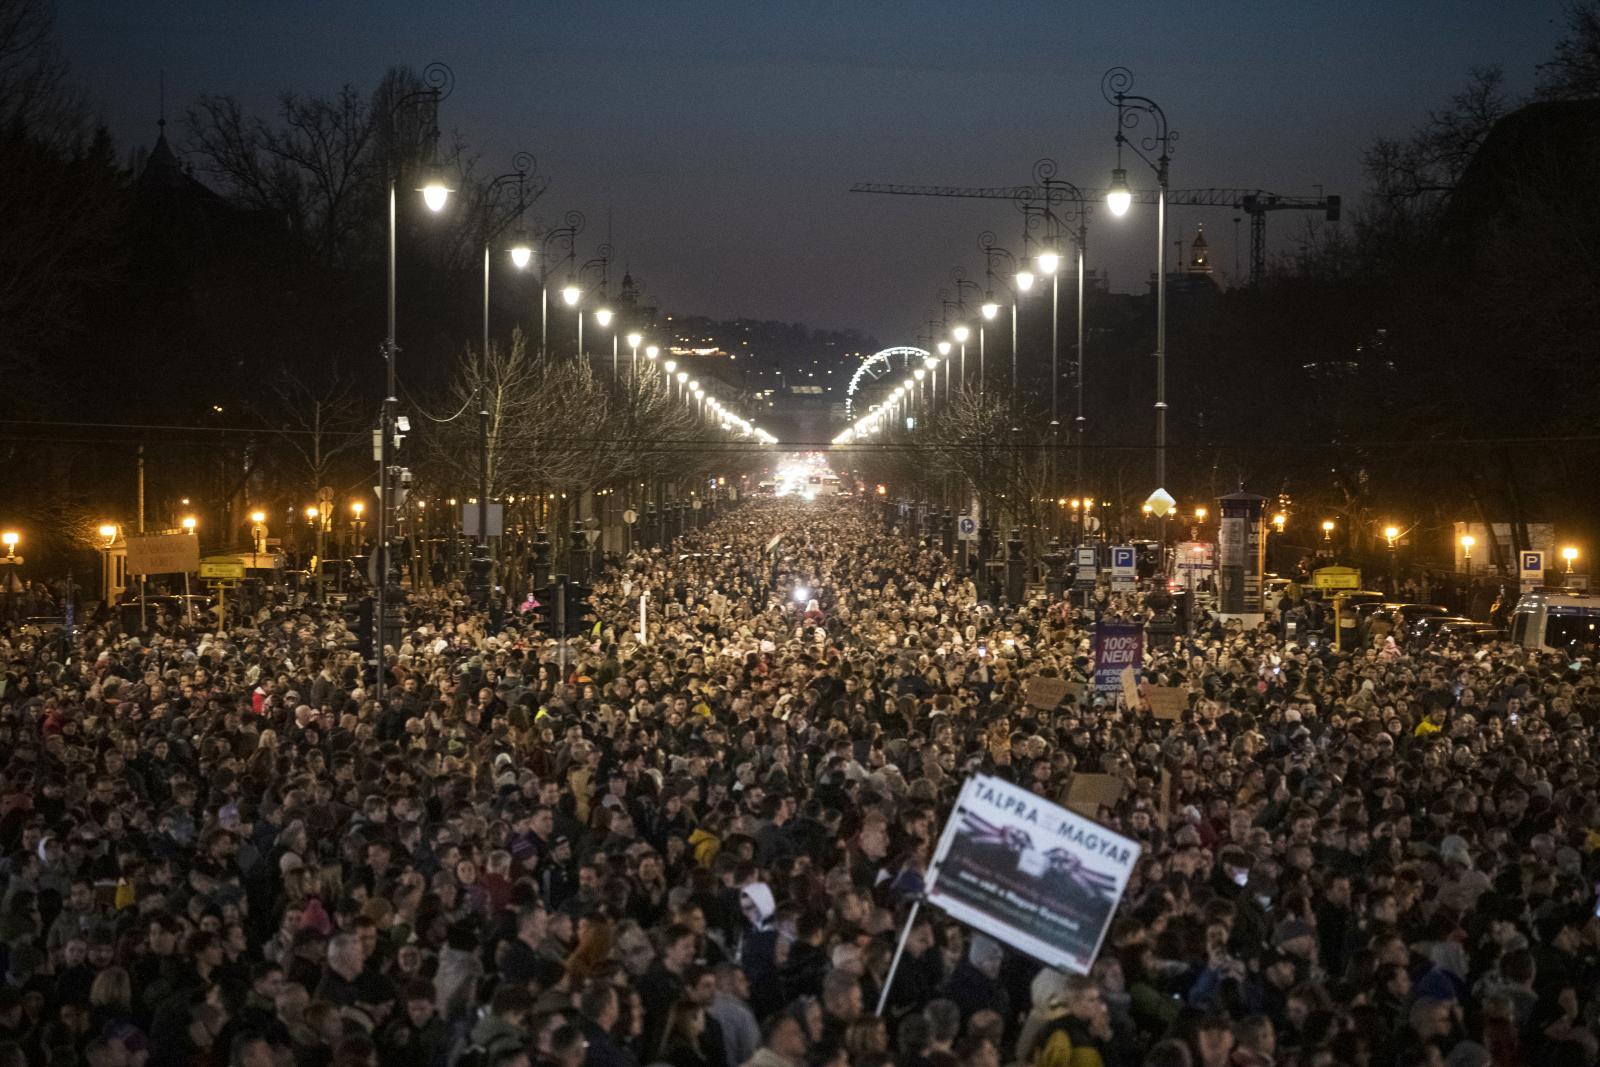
(1116, 646)
(1043, 879)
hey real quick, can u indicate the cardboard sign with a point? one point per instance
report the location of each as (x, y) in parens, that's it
(1046, 693)
(163, 553)
(1167, 701)
(1041, 878)
(1087, 792)
(1130, 687)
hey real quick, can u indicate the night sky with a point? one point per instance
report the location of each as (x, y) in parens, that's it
(723, 137)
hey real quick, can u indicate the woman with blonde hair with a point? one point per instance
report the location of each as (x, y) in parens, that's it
(111, 998)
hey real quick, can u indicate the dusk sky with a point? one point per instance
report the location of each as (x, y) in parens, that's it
(723, 137)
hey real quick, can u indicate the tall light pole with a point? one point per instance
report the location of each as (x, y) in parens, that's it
(521, 252)
(1114, 87)
(959, 333)
(602, 317)
(634, 340)
(989, 310)
(1058, 191)
(439, 81)
(568, 233)
(603, 263)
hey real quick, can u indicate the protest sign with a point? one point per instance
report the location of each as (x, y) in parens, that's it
(1130, 687)
(1038, 877)
(1046, 693)
(1117, 646)
(1167, 701)
(163, 553)
(1087, 792)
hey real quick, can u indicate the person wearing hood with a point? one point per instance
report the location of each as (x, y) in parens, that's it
(504, 1029)
(758, 949)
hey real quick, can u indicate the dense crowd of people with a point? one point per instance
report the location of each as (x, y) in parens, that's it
(697, 846)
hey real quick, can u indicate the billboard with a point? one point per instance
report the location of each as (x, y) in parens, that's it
(1043, 879)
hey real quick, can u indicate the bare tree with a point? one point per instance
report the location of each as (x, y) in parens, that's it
(1574, 72)
(317, 424)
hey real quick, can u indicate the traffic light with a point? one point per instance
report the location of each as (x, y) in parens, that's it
(480, 575)
(364, 627)
(565, 608)
(581, 614)
(544, 614)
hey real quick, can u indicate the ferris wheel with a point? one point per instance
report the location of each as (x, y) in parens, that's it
(889, 361)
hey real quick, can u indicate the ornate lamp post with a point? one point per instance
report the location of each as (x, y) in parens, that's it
(439, 81)
(1131, 110)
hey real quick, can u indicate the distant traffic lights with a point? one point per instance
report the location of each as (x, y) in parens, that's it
(480, 575)
(566, 609)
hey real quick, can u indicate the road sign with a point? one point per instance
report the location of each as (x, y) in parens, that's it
(1124, 569)
(1085, 559)
(630, 517)
(967, 528)
(225, 569)
(469, 519)
(1532, 569)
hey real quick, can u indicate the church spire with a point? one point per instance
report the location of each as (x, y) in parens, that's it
(1199, 252)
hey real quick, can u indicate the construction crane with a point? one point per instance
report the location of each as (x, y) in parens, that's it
(1253, 202)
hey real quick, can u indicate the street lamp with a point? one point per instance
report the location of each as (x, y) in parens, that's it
(1391, 534)
(603, 317)
(960, 334)
(571, 294)
(634, 340)
(1280, 520)
(438, 80)
(1569, 554)
(1118, 196)
(10, 538)
(1114, 87)
(521, 256)
(189, 523)
(1200, 514)
(1467, 541)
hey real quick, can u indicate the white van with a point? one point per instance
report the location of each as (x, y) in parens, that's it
(1556, 620)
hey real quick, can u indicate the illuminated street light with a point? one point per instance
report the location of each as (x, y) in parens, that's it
(1569, 554)
(1327, 529)
(1119, 197)
(1280, 520)
(435, 189)
(652, 352)
(603, 317)
(1024, 280)
(1391, 534)
(109, 532)
(960, 333)
(521, 254)
(944, 348)
(572, 294)
(189, 523)
(1200, 514)
(1048, 262)
(990, 310)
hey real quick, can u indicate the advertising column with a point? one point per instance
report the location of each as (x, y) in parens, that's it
(1239, 548)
